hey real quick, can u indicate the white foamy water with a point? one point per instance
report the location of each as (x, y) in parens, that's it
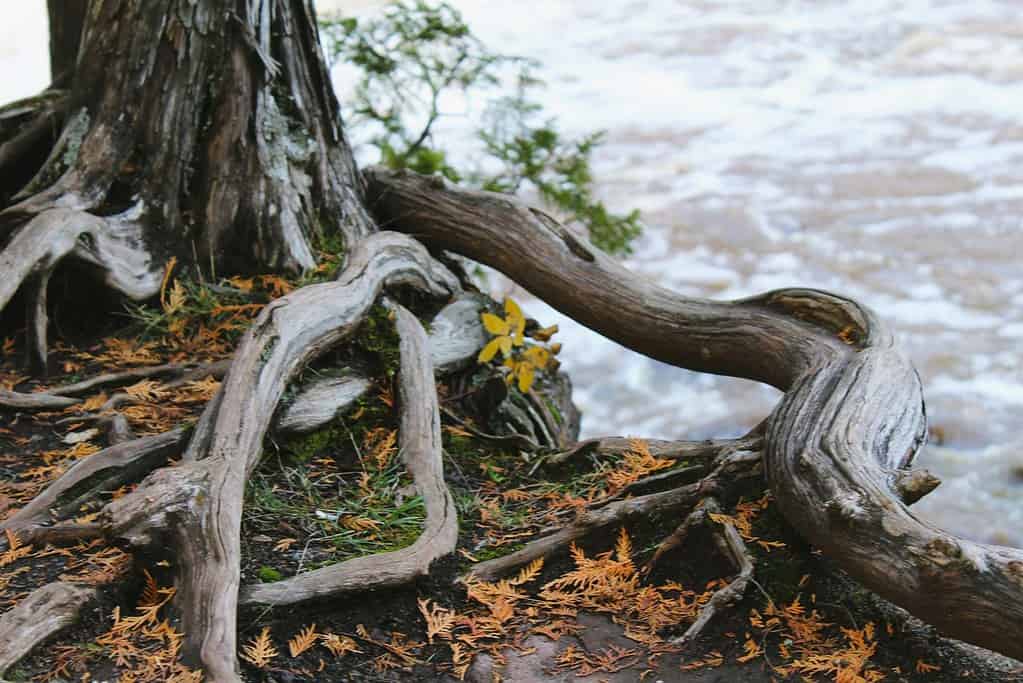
(874, 148)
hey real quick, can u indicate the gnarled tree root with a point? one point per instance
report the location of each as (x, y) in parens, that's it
(730, 544)
(52, 234)
(44, 612)
(421, 452)
(851, 419)
(197, 505)
(659, 448)
(836, 449)
(25, 126)
(127, 460)
(103, 471)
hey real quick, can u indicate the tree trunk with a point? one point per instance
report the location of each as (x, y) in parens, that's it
(204, 130)
(214, 123)
(67, 17)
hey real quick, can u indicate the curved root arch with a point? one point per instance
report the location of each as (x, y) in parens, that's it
(198, 504)
(111, 244)
(420, 442)
(838, 444)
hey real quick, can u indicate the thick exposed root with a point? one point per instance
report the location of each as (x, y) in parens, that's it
(44, 612)
(17, 400)
(62, 533)
(455, 338)
(422, 454)
(31, 257)
(118, 429)
(27, 139)
(836, 449)
(456, 335)
(673, 450)
(321, 401)
(852, 416)
(128, 459)
(25, 126)
(106, 470)
(198, 504)
(37, 320)
(35, 250)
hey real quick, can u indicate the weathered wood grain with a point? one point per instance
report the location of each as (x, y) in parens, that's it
(837, 444)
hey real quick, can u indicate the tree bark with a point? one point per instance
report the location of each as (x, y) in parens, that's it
(209, 131)
(67, 17)
(44, 612)
(215, 121)
(199, 504)
(840, 442)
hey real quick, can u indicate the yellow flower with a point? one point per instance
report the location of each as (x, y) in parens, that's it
(523, 368)
(508, 332)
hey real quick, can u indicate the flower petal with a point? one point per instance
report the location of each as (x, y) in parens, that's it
(537, 356)
(544, 334)
(495, 325)
(525, 377)
(490, 350)
(512, 311)
(520, 325)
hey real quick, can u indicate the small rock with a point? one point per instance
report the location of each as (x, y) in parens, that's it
(71, 438)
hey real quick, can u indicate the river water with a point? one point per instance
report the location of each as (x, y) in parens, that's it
(872, 148)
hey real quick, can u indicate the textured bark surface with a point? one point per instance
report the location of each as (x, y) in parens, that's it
(200, 129)
(37, 247)
(217, 122)
(209, 131)
(106, 470)
(422, 455)
(44, 612)
(455, 338)
(850, 423)
(28, 129)
(199, 503)
(66, 18)
(659, 448)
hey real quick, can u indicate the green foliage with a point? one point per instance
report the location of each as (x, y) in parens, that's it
(535, 154)
(303, 448)
(409, 58)
(378, 336)
(416, 55)
(269, 574)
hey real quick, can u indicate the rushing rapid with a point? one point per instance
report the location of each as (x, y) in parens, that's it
(872, 148)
